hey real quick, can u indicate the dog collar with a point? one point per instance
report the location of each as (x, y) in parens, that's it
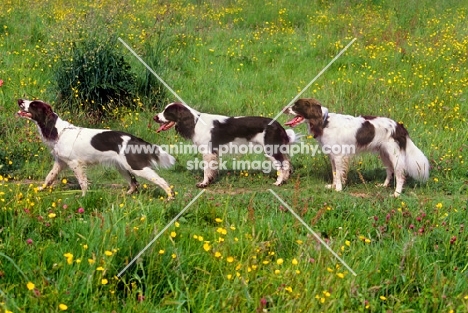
(66, 128)
(197, 118)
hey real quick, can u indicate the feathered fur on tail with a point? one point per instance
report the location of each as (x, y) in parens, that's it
(164, 159)
(293, 137)
(417, 165)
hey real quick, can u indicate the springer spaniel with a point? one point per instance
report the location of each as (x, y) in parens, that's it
(210, 133)
(78, 147)
(365, 133)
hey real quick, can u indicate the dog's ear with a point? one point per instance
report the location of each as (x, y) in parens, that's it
(44, 111)
(50, 114)
(308, 108)
(312, 110)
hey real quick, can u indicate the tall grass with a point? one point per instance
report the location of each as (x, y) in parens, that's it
(237, 248)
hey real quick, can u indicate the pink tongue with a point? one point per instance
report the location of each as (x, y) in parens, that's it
(161, 128)
(294, 121)
(165, 126)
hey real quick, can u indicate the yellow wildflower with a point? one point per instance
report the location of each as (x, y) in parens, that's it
(206, 246)
(69, 257)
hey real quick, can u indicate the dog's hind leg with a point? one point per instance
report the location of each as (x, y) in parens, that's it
(58, 166)
(395, 164)
(282, 167)
(150, 175)
(400, 175)
(284, 172)
(130, 179)
(389, 167)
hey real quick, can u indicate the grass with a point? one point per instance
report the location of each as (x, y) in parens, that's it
(238, 248)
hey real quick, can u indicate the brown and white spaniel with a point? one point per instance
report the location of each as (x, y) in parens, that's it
(340, 133)
(78, 147)
(211, 133)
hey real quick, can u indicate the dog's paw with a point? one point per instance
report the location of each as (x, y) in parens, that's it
(332, 186)
(41, 187)
(132, 190)
(202, 185)
(279, 183)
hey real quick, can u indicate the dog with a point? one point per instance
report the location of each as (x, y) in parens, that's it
(77, 147)
(365, 133)
(210, 133)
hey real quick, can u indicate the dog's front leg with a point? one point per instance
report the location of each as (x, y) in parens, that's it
(340, 165)
(334, 174)
(56, 169)
(210, 169)
(80, 173)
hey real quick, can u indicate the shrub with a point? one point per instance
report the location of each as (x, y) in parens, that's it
(94, 78)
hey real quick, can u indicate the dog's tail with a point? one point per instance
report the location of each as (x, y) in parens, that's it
(417, 165)
(164, 159)
(292, 136)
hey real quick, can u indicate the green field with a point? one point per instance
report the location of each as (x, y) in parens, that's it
(237, 248)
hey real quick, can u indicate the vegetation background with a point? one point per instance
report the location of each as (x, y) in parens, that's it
(237, 248)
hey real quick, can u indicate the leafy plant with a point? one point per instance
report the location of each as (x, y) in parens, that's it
(95, 78)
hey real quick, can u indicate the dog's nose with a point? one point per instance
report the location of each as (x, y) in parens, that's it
(20, 101)
(156, 119)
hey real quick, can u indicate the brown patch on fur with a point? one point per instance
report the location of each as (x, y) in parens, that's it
(368, 117)
(400, 136)
(365, 134)
(311, 109)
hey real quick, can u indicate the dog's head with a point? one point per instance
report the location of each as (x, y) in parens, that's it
(310, 111)
(42, 114)
(175, 114)
(37, 111)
